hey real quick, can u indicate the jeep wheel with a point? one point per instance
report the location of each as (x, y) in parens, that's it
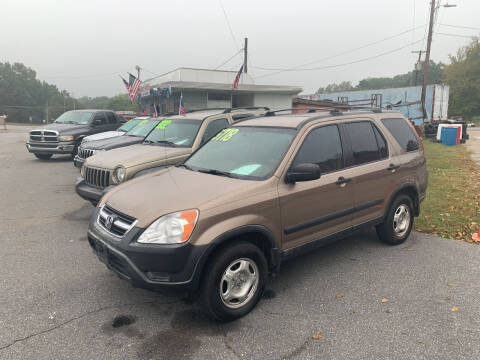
(399, 221)
(43, 156)
(234, 281)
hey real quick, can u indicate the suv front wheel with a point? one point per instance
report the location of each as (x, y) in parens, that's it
(234, 281)
(399, 221)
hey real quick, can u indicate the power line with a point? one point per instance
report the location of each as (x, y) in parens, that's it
(279, 70)
(458, 35)
(461, 27)
(351, 62)
(228, 24)
(228, 60)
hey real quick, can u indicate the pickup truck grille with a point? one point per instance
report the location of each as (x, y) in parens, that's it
(85, 153)
(115, 222)
(97, 177)
(43, 136)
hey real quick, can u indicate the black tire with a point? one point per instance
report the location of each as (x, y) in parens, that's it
(43, 156)
(386, 231)
(75, 149)
(210, 288)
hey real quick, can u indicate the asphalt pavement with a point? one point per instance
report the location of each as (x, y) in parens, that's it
(57, 301)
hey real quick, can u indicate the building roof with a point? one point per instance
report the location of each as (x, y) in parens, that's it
(219, 80)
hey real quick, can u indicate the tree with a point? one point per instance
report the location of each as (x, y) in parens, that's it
(463, 76)
(331, 88)
(121, 102)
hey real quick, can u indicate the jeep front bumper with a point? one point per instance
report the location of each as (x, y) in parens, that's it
(90, 193)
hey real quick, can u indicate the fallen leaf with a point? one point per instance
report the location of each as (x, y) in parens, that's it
(70, 241)
(339, 296)
(451, 284)
(410, 249)
(421, 341)
(447, 298)
(352, 311)
(428, 216)
(317, 336)
(454, 308)
(384, 300)
(379, 271)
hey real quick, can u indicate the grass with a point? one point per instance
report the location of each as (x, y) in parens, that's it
(452, 206)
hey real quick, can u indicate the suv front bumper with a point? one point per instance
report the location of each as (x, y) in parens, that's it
(50, 148)
(90, 193)
(148, 266)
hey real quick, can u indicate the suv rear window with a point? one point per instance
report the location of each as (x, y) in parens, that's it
(403, 133)
(364, 143)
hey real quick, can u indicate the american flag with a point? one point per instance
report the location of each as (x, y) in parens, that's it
(134, 83)
(237, 78)
(181, 108)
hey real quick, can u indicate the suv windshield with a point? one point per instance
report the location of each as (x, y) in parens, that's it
(244, 152)
(129, 125)
(143, 128)
(175, 132)
(74, 117)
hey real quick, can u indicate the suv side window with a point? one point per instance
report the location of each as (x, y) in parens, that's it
(322, 146)
(100, 116)
(111, 118)
(214, 127)
(403, 133)
(363, 141)
(382, 144)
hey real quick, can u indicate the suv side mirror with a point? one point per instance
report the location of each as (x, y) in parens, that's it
(97, 122)
(302, 172)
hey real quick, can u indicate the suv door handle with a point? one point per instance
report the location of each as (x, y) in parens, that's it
(393, 167)
(343, 181)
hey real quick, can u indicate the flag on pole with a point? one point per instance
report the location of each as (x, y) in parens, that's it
(134, 83)
(237, 78)
(127, 85)
(181, 108)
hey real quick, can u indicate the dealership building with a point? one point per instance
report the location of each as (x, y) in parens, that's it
(203, 88)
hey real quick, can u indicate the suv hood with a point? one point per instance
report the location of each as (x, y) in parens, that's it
(174, 189)
(65, 129)
(112, 142)
(134, 155)
(103, 135)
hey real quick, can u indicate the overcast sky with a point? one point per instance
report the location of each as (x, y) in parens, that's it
(82, 46)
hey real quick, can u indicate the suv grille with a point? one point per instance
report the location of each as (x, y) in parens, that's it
(97, 177)
(115, 222)
(43, 135)
(85, 153)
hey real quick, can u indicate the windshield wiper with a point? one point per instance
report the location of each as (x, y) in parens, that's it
(145, 141)
(217, 172)
(166, 142)
(186, 167)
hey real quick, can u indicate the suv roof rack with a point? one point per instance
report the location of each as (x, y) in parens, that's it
(229, 109)
(334, 110)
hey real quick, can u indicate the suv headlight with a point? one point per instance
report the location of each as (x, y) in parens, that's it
(119, 174)
(174, 228)
(66, 138)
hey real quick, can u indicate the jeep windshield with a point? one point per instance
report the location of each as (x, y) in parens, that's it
(243, 152)
(74, 117)
(143, 128)
(129, 125)
(174, 132)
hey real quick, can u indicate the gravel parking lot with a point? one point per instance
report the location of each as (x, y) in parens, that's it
(57, 301)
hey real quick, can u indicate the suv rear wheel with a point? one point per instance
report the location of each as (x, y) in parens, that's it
(234, 281)
(399, 221)
(43, 156)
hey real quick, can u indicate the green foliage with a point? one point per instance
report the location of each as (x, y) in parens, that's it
(121, 102)
(23, 96)
(463, 76)
(435, 76)
(98, 102)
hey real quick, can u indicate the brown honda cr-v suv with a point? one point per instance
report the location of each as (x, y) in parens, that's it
(257, 192)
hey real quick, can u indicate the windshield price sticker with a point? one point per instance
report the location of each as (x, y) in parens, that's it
(225, 135)
(142, 122)
(163, 124)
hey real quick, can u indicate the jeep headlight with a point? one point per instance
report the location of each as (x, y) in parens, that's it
(66, 138)
(82, 171)
(119, 174)
(174, 228)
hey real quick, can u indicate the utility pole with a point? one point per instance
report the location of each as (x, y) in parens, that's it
(426, 64)
(46, 112)
(418, 64)
(245, 55)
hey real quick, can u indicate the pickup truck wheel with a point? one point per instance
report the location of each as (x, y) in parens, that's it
(43, 156)
(234, 281)
(399, 221)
